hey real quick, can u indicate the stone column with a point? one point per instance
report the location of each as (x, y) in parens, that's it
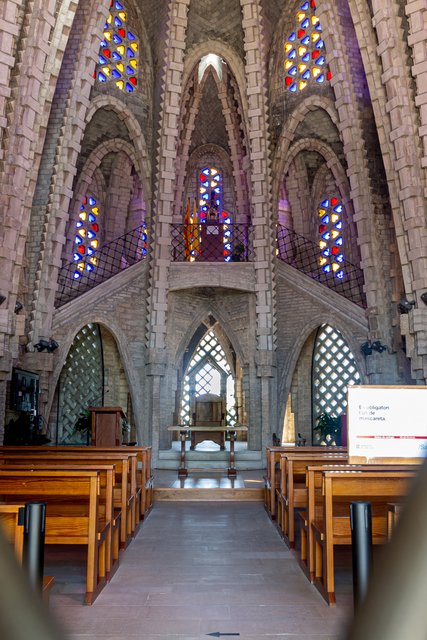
(163, 213)
(417, 40)
(260, 197)
(370, 205)
(24, 32)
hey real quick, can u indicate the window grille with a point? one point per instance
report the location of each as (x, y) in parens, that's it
(333, 369)
(207, 372)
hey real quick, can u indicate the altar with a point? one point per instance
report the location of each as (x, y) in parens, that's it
(199, 433)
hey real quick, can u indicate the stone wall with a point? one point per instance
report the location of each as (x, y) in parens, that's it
(364, 134)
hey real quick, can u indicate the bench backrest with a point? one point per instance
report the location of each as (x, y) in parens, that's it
(143, 453)
(84, 452)
(316, 487)
(125, 464)
(293, 467)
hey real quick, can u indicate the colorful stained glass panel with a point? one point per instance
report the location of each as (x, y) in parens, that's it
(330, 241)
(86, 237)
(303, 60)
(118, 60)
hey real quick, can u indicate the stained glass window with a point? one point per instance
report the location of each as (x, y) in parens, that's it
(210, 207)
(334, 368)
(86, 239)
(330, 237)
(144, 239)
(209, 372)
(305, 51)
(210, 192)
(119, 51)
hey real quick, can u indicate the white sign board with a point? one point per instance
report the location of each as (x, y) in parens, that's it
(386, 422)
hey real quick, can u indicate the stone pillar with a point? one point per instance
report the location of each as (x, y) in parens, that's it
(260, 197)
(24, 31)
(163, 212)
(73, 92)
(370, 215)
(417, 40)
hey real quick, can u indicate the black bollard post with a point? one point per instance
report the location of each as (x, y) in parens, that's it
(33, 552)
(361, 540)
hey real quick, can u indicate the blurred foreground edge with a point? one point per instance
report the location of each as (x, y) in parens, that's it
(23, 616)
(396, 604)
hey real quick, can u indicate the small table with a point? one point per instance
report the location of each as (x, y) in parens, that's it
(209, 431)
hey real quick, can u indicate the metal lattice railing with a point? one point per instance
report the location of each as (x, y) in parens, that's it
(302, 254)
(109, 260)
(211, 242)
(205, 242)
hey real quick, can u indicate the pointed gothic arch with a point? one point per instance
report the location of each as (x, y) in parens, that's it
(209, 364)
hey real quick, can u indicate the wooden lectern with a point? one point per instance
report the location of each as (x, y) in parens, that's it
(106, 426)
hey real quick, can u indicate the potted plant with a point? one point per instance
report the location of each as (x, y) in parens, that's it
(125, 429)
(83, 424)
(328, 429)
(238, 252)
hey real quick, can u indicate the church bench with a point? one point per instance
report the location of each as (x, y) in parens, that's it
(12, 526)
(272, 477)
(144, 491)
(314, 510)
(330, 525)
(144, 480)
(124, 494)
(292, 492)
(107, 510)
(144, 476)
(72, 513)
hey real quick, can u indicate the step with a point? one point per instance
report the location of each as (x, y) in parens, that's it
(203, 495)
(205, 459)
(217, 465)
(174, 454)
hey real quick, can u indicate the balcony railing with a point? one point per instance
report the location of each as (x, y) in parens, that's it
(211, 242)
(204, 242)
(80, 276)
(303, 254)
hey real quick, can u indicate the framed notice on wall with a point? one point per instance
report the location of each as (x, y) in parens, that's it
(386, 423)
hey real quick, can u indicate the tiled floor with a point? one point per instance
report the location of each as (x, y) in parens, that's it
(197, 568)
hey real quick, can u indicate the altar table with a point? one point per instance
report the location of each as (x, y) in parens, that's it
(200, 433)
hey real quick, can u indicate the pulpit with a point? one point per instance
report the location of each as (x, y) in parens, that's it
(106, 426)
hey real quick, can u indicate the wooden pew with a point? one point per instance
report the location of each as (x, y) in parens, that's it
(144, 479)
(292, 493)
(272, 478)
(315, 507)
(329, 522)
(147, 481)
(125, 491)
(12, 527)
(142, 475)
(72, 513)
(107, 510)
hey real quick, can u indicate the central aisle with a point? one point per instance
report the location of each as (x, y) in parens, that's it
(197, 568)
